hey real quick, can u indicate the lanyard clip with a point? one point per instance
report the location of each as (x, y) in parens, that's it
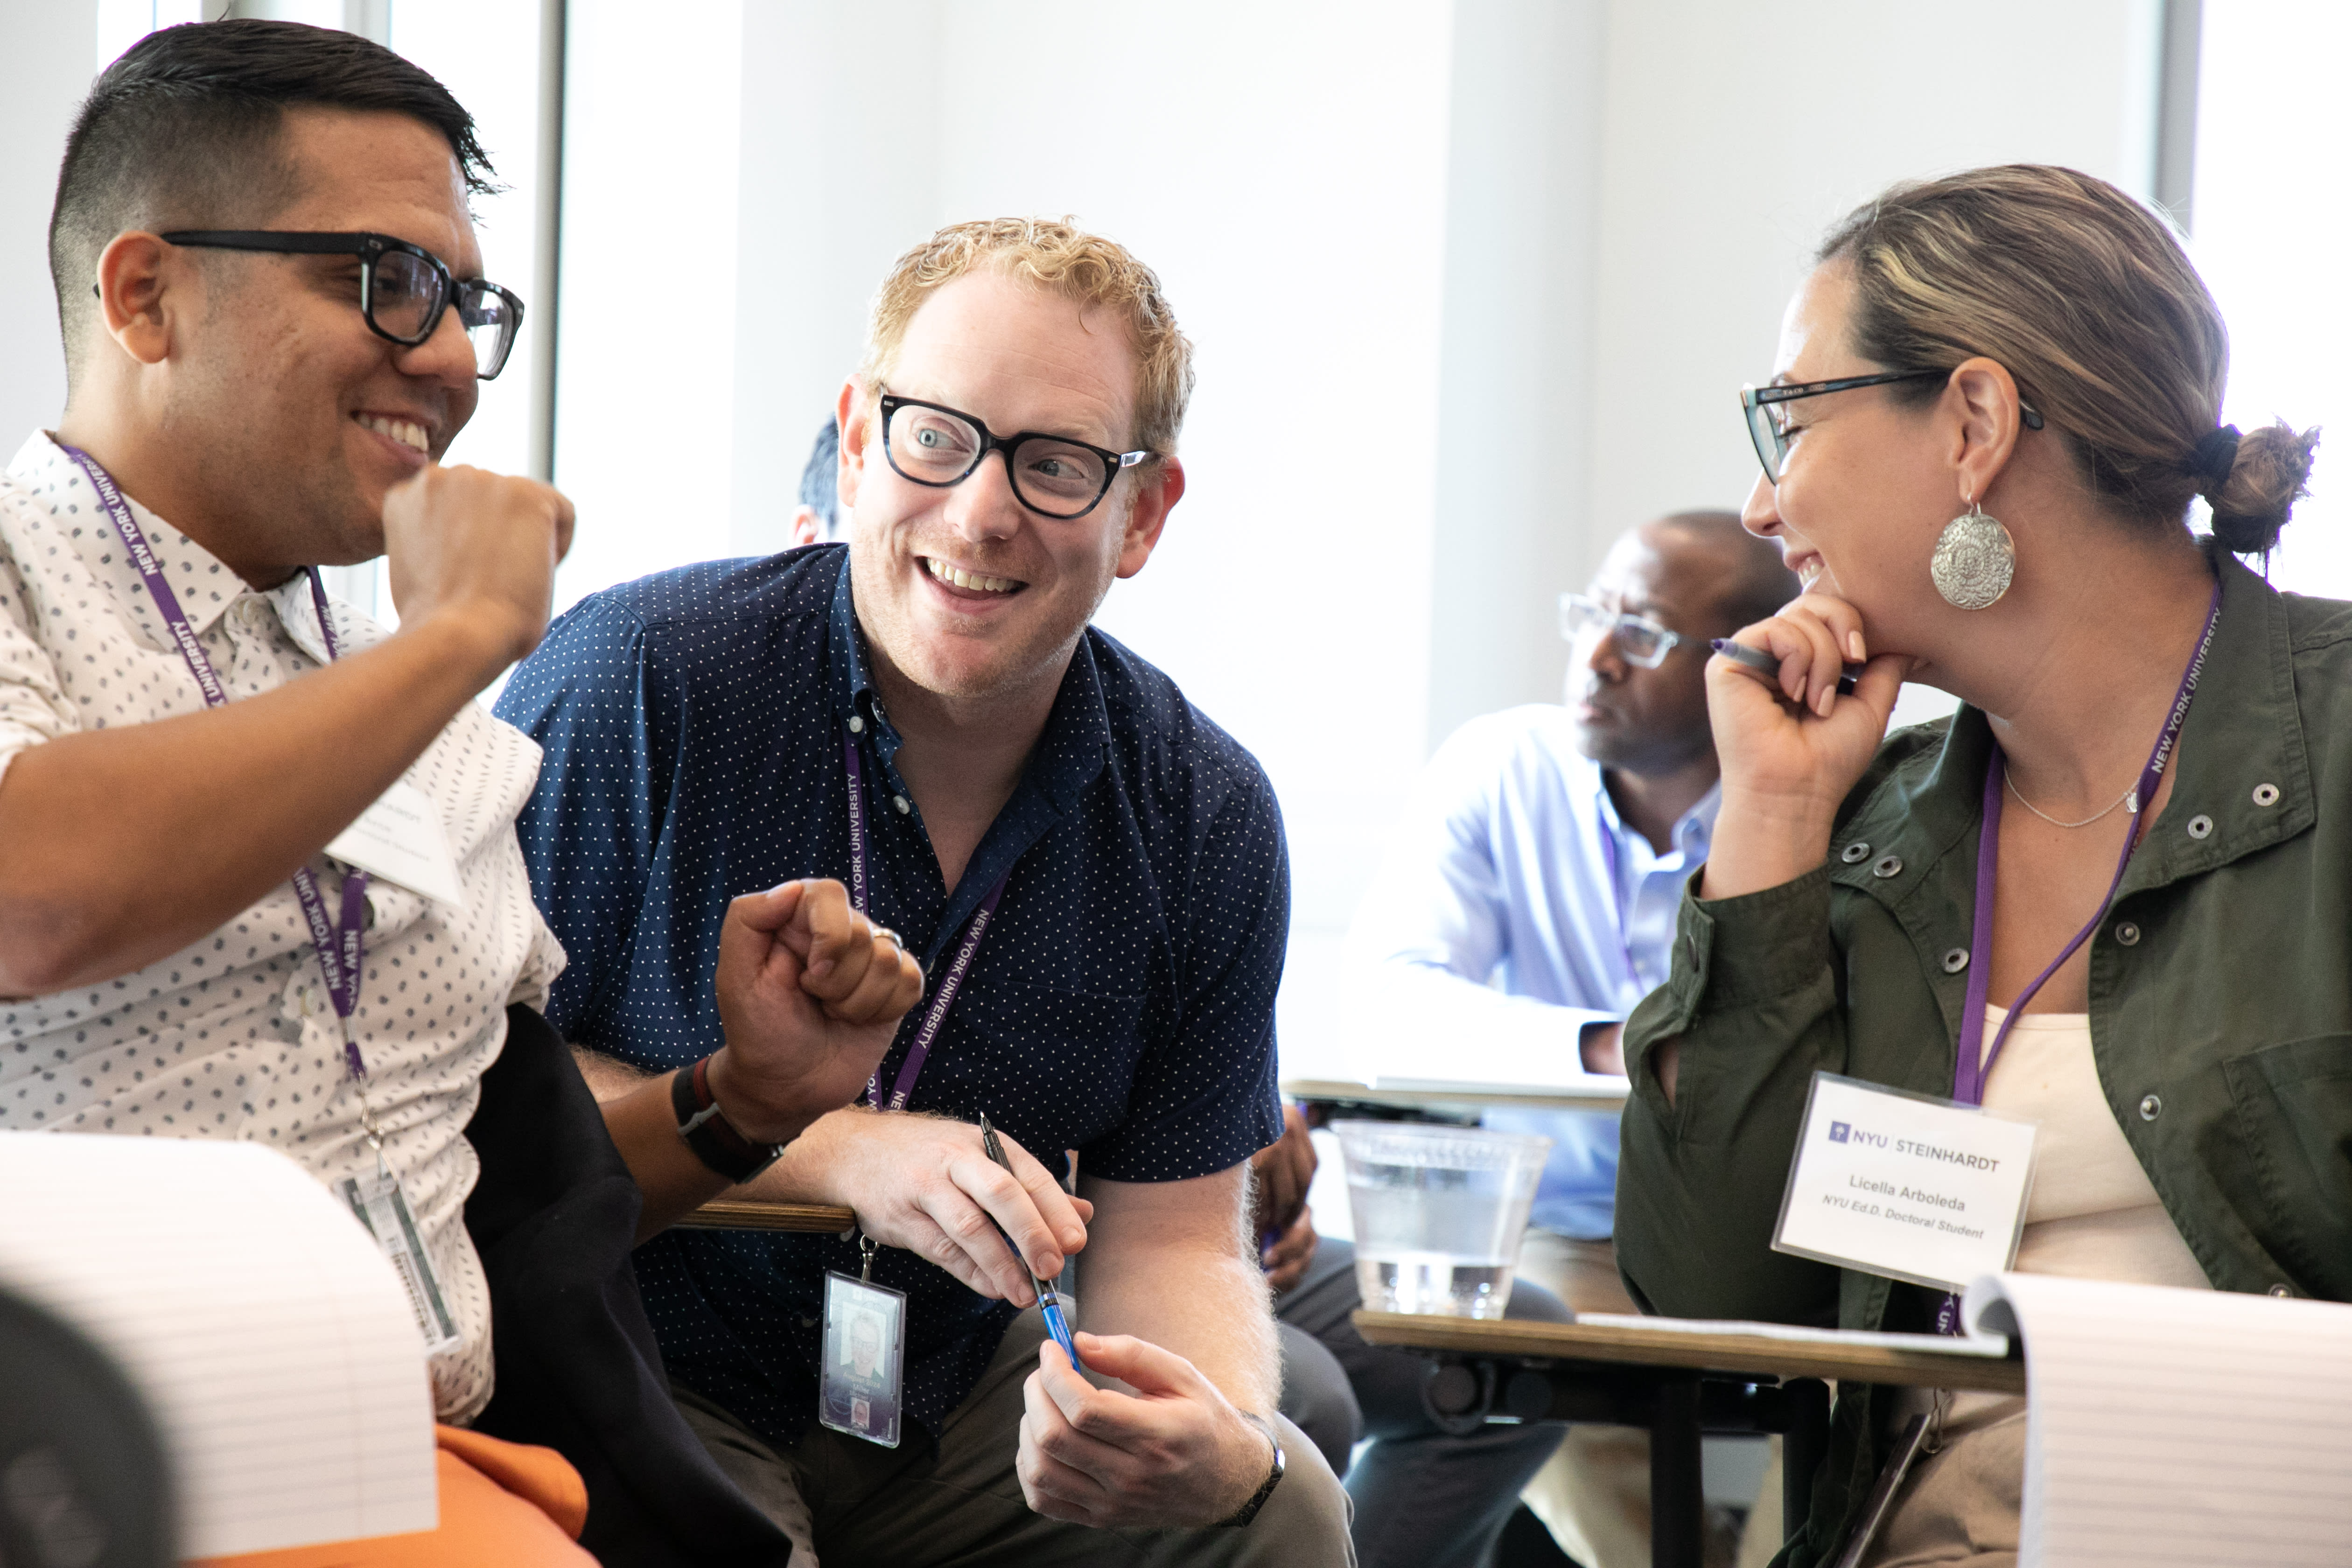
(867, 1248)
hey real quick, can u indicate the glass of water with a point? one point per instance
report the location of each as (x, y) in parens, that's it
(1439, 1211)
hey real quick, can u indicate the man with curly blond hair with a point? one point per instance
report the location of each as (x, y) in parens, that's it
(1093, 877)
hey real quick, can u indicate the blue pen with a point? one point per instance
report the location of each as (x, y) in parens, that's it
(1047, 1302)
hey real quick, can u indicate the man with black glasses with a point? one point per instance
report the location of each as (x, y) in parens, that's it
(1093, 876)
(1524, 903)
(258, 874)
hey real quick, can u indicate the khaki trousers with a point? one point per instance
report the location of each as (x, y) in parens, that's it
(1960, 1507)
(844, 1501)
(1594, 1493)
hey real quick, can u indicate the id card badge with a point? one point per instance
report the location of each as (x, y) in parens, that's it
(863, 1356)
(401, 839)
(383, 1208)
(1907, 1185)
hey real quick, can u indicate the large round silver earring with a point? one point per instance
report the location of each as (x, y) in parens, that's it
(1975, 559)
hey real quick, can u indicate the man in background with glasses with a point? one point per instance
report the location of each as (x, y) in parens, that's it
(1094, 877)
(1524, 905)
(275, 325)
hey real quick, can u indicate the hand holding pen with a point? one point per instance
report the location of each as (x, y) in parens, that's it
(1799, 707)
(1048, 1302)
(1766, 666)
(1812, 653)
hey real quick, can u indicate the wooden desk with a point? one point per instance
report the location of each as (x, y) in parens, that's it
(806, 1219)
(1676, 1383)
(1342, 1095)
(1736, 1354)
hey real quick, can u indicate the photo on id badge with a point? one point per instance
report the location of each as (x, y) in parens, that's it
(857, 1387)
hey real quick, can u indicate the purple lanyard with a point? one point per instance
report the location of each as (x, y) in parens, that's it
(340, 943)
(860, 881)
(1974, 1063)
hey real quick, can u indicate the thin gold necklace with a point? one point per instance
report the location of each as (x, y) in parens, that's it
(2012, 783)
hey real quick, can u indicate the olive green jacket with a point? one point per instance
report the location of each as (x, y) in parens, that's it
(2221, 1009)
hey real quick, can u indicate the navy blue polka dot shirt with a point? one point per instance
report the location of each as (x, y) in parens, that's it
(1122, 1004)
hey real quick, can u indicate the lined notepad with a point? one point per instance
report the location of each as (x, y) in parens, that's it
(2179, 1427)
(268, 1336)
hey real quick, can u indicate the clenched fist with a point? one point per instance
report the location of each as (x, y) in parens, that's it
(465, 541)
(809, 993)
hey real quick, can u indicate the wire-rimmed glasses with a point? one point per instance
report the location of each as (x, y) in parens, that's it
(1054, 476)
(1642, 641)
(1772, 439)
(404, 287)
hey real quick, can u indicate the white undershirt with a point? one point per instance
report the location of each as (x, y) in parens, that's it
(2093, 1214)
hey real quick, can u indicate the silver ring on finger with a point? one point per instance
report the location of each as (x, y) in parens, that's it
(886, 931)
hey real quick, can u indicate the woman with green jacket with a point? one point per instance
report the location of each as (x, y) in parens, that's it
(1996, 394)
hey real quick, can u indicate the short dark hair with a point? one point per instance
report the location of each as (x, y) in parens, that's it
(182, 133)
(1759, 584)
(820, 481)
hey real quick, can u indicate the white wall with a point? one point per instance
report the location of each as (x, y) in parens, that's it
(647, 328)
(839, 175)
(49, 49)
(1737, 133)
(1523, 176)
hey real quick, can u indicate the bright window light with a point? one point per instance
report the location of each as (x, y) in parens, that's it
(2272, 229)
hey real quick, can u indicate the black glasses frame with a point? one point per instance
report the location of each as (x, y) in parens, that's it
(1772, 445)
(1114, 463)
(369, 248)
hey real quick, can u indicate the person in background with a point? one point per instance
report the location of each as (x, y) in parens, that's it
(1524, 906)
(1996, 395)
(1093, 874)
(275, 324)
(817, 518)
(1423, 1496)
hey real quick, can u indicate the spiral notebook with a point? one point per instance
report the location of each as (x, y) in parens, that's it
(269, 1338)
(2169, 1426)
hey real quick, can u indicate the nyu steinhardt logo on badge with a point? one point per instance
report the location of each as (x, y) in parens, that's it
(1906, 1187)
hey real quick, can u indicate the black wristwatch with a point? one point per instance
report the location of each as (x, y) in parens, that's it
(708, 1131)
(1248, 1510)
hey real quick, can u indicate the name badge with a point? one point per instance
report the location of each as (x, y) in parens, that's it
(863, 1354)
(383, 1208)
(1903, 1185)
(400, 839)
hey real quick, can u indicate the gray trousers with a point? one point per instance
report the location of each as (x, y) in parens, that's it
(847, 1502)
(1423, 1499)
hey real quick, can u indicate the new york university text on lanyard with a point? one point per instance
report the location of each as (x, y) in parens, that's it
(1932, 1190)
(943, 993)
(338, 938)
(862, 1363)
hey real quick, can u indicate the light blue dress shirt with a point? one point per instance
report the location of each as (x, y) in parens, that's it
(1510, 909)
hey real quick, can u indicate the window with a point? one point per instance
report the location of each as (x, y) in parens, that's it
(2271, 231)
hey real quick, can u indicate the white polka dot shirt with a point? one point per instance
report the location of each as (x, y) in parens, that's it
(234, 1037)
